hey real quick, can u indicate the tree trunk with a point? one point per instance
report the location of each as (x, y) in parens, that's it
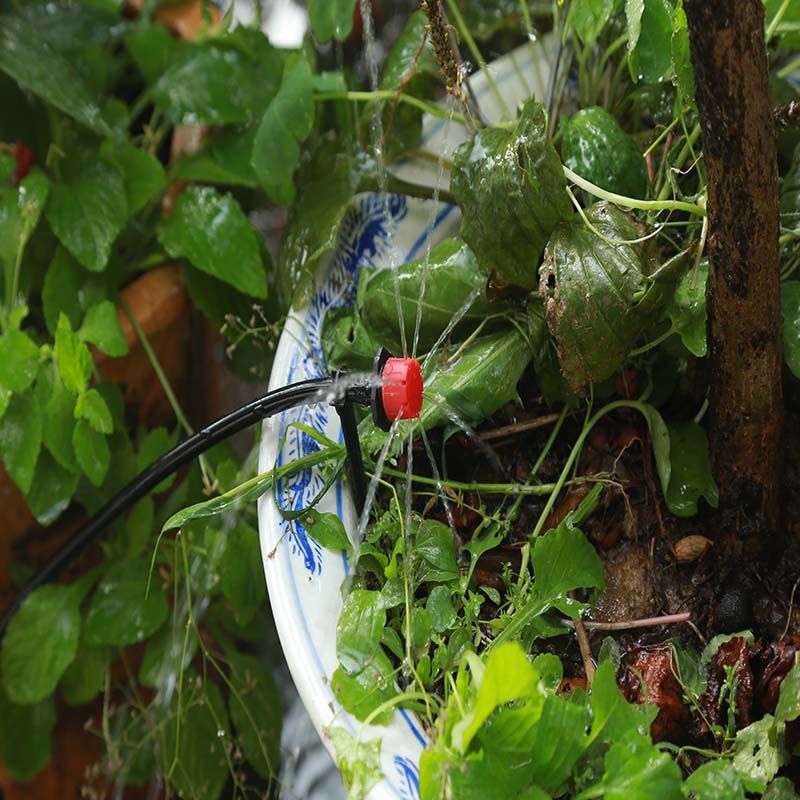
(739, 155)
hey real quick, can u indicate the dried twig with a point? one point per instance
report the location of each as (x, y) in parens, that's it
(789, 612)
(519, 427)
(586, 650)
(647, 622)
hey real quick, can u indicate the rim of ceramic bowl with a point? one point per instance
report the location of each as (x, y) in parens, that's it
(304, 579)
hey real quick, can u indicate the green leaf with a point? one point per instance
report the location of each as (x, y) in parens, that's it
(25, 736)
(508, 676)
(780, 789)
(63, 283)
(589, 17)
(193, 745)
(433, 553)
(84, 678)
(790, 314)
(716, 780)
(788, 708)
(91, 451)
(255, 707)
(121, 612)
(223, 159)
(102, 328)
(362, 693)
(29, 60)
(21, 438)
(440, 607)
(51, 490)
(19, 214)
(93, 409)
(41, 642)
(58, 424)
(650, 58)
(287, 122)
(359, 629)
(142, 172)
(72, 357)
(242, 572)
(596, 148)
(331, 18)
(19, 360)
(163, 654)
(71, 26)
(635, 769)
(155, 444)
(690, 470)
(211, 230)
(405, 60)
(326, 529)
(613, 717)
(359, 762)
(511, 190)
(659, 438)
(758, 751)
(687, 309)
(153, 48)
(215, 83)
(88, 210)
(681, 57)
(600, 297)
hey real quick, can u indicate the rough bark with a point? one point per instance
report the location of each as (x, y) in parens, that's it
(739, 155)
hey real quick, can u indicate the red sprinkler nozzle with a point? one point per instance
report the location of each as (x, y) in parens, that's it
(402, 388)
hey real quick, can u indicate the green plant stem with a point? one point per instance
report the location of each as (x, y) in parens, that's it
(679, 162)
(776, 20)
(654, 343)
(631, 202)
(387, 94)
(789, 68)
(397, 185)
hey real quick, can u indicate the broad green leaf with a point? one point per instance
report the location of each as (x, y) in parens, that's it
(163, 654)
(362, 693)
(58, 424)
(681, 57)
(287, 122)
(91, 451)
(142, 172)
(155, 444)
(589, 17)
(71, 26)
(29, 60)
(508, 676)
(600, 297)
(216, 83)
(511, 190)
(758, 751)
(716, 780)
(102, 328)
(440, 607)
(687, 309)
(650, 58)
(780, 789)
(595, 146)
(121, 612)
(84, 678)
(613, 717)
(88, 210)
(223, 159)
(72, 357)
(359, 629)
(212, 232)
(255, 708)
(25, 736)
(51, 490)
(331, 18)
(788, 708)
(196, 749)
(326, 529)
(690, 470)
(41, 642)
(659, 438)
(19, 360)
(93, 409)
(452, 278)
(358, 761)
(20, 210)
(790, 313)
(635, 769)
(5, 399)
(242, 572)
(405, 60)
(433, 553)
(61, 291)
(153, 48)
(21, 438)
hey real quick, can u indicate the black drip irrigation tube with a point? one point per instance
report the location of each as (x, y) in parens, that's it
(397, 394)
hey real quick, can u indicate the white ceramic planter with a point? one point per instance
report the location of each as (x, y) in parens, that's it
(303, 578)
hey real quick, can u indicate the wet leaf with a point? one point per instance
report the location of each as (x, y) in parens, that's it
(790, 313)
(88, 210)
(650, 57)
(634, 769)
(242, 572)
(223, 159)
(758, 751)
(20, 211)
(84, 678)
(690, 475)
(102, 328)
(91, 451)
(511, 189)
(219, 83)
(121, 612)
(359, 762)
(780, 789)
(327, 529)
(613, 717)
(434, 553)
(29, 60)
(659, 438)
(600, 297)
(93, 409)
(687, 309)
(58, 424)
(60, 294)
(589, 17)
(331, 18)
(287, 122)
(346, 343)
(41, 642)
(716, 780)
(163, 654)
(440, 607)
(359, 629)
(72, 357)
(142, 172)
(681, 57)
(51, 490)
(25, 736)
(405, 59)
(21, 438)
(788, 708)
(211, 230)
(255, 707)
(596, 148)
(454, 283)
(362, 693)
(19, 360)
(71, 26)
